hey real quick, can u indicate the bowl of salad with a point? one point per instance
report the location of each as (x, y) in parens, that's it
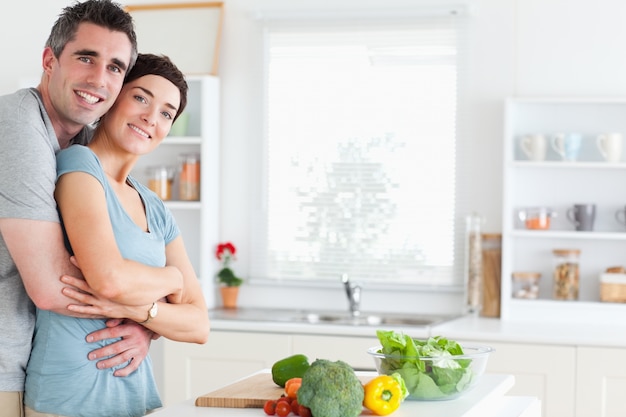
(433, 369)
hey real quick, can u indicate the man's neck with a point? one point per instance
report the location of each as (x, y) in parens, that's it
(63, 132)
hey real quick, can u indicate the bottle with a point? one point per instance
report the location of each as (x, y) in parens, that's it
(189, 181)
(474, 270)
(566, 274)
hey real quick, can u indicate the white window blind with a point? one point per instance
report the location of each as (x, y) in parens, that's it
(360, 172)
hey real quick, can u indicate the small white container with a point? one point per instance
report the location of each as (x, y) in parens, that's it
(613, 288)
(526, 285)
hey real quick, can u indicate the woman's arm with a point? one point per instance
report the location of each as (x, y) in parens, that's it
(83, 207)
(183, 318)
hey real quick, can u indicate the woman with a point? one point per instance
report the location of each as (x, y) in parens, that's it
(117, 228)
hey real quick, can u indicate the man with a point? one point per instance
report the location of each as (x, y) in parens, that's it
(90, 48)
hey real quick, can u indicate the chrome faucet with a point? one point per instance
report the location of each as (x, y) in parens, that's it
(354, 295)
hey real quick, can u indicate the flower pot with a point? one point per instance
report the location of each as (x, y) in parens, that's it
(229, 296)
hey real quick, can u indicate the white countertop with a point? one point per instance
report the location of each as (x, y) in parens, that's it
(486, 399)
(464, 328)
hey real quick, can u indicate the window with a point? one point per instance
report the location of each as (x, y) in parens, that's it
(360, 172)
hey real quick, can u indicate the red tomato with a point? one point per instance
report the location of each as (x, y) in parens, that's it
(304, 411)
(283, 408)
(270, 407)
(284, 399)
(295, 407)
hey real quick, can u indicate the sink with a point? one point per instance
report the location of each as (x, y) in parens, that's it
(329, 317)
(373, 319)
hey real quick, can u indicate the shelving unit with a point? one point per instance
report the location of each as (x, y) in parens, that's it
(559, 185)
(198, 220)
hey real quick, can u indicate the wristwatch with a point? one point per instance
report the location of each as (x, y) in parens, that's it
(152, 313)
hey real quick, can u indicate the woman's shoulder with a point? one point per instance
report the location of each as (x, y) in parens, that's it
(77, 157)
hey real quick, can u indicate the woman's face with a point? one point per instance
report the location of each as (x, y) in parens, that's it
(142, 115)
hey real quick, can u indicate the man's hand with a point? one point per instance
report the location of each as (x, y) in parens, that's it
(133, 347)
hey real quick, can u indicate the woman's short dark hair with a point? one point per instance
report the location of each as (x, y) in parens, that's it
(161, 65)
(104, 13)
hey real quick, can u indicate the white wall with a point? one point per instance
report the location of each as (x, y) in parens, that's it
(517, 47)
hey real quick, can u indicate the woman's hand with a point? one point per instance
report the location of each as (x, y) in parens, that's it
(88, 303)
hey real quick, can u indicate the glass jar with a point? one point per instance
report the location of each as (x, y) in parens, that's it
(566, 274)
(160, 180)
(526, 285)
(474, 270)
(189, 180)
(536, 218)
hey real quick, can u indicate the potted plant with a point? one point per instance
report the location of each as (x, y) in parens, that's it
(229, 282)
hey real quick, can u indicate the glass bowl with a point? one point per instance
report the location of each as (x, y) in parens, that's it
(435, 378)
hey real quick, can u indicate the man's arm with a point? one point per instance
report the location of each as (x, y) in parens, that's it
(39, 253)
(37, 249)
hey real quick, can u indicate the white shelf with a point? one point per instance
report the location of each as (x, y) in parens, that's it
(182, 140)
(560, 184)
(183, 205)
(566, 234)
(568, 165)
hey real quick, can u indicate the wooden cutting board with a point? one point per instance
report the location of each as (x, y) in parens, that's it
(251, 392)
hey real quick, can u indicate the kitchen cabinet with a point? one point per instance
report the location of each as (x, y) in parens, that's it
(198, 220)
(192, 370)
(542, 371)
(559, 184)
(352, 350)
(600, 382)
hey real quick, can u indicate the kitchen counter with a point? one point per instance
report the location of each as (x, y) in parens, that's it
(487, 399)
(462, 328)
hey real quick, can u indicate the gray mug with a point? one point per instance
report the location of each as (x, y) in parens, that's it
(620, 215)
(583, 216)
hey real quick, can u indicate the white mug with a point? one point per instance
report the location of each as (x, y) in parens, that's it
(610, 146)
(567, 145)
(534, 146)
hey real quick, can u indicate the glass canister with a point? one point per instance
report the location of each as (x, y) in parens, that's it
(160, 180)
(526, 285)
(474, 270)
(189, 180)
(566, 274)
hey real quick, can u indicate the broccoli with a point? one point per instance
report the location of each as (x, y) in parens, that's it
(331, 389)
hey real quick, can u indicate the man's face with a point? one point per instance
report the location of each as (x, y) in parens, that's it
(86, 79)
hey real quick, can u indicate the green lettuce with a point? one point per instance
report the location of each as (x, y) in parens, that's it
(438, 377)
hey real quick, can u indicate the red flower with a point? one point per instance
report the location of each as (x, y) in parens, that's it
(225, 249)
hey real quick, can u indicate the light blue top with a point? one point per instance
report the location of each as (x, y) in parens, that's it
(59, 377)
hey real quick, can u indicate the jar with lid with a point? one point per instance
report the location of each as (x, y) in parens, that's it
(526, 285)
(189, 180)
(566, 274)
(160, 180)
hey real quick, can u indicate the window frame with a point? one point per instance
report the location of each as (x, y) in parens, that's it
(461, 210)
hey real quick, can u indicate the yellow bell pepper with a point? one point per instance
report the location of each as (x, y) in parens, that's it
(383, 395)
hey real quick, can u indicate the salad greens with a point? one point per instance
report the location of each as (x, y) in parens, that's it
(429, 379)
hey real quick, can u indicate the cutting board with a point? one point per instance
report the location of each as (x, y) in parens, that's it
(251, 392)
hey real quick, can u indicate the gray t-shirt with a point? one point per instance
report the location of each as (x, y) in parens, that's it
(28, 146)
